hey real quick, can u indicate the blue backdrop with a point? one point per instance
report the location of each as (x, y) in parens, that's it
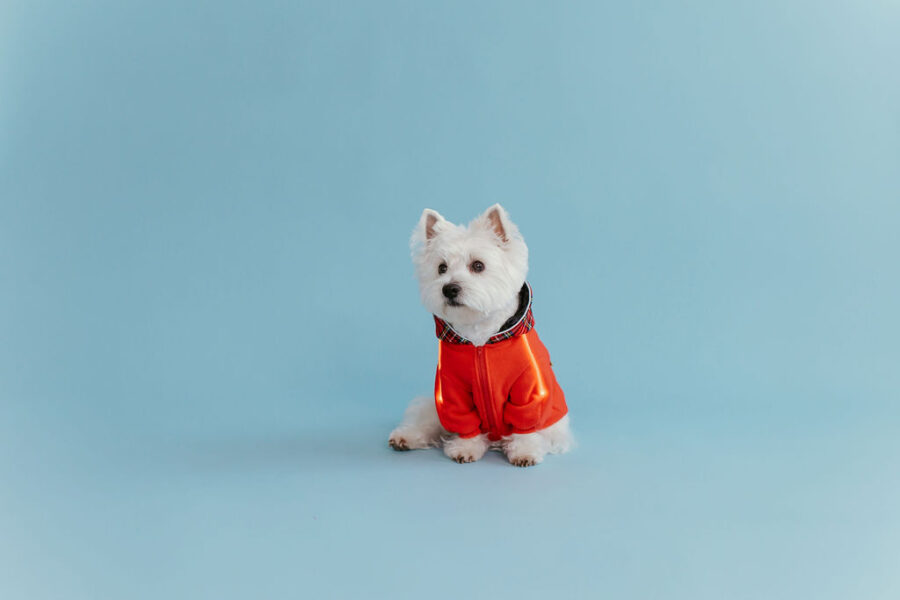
(209, 322)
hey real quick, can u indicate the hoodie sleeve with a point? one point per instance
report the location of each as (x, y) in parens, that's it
(455, 406)
(534, 393)
(527, 402)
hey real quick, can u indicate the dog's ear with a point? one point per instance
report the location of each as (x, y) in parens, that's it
(430, 223)
(495, 219)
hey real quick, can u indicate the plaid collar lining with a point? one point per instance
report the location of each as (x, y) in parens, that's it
(446, 333)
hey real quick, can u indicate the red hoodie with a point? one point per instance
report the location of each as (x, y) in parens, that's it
(506, 386)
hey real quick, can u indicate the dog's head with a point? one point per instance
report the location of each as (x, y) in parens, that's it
(467, 272)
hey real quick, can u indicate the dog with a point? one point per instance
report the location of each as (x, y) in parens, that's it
(494, 384)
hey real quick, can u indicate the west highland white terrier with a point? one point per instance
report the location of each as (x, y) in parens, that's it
(494, 386)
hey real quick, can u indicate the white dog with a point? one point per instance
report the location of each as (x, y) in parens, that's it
(494, 386)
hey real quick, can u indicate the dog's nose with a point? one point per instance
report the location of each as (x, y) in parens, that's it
(452, 290)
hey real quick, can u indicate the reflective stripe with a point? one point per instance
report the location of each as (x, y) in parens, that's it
(438, 397)
(542, 390)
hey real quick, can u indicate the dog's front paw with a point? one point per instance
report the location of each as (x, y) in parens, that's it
(398, 442)
(524, 461)
(466, 450)
(525, 450)
(463, 458)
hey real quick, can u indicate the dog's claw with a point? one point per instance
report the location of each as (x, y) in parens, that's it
(463, 459)
(523, 462)
(398, 444)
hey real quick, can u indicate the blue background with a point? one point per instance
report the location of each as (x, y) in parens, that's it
(209, 322)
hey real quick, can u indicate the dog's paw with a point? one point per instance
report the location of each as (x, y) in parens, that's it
(525, 450)
(523, 461)
(465, 450)
(398, 443)
(414, 437)
(463, 458)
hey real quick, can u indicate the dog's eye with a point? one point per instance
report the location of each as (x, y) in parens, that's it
(442, 268)
(477, 266)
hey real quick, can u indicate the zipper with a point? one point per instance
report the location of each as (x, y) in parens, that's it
(481, 375)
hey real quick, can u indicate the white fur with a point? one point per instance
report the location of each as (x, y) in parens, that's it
(488, 298)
